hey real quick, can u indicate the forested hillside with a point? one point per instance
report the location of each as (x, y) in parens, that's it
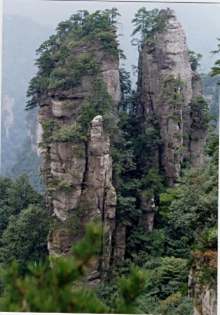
(128, 219)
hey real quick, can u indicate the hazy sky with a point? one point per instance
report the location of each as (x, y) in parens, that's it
(201, 22)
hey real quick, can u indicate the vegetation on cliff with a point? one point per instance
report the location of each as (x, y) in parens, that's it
(58, 67)
(148, 23)
(152, 277)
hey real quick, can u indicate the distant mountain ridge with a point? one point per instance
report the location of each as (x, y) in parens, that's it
(21, 38)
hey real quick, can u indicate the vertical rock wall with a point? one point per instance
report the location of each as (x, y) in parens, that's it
(170, 98)
(78, 171)
(204, 292)
(166, 88)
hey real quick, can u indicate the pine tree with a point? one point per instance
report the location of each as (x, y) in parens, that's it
(59, 284)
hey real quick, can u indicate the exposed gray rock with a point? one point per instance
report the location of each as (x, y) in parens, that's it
(208, 302)
(120, 241)
(198, 133)
(167, 85)
(99, 196)
(203, 294)
(78, 173)
(148, 207)
(111, 78)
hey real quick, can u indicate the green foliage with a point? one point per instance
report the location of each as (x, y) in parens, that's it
(169, 277)
(66, 76)
(194, 59)
(89, 246)
(176, 304)
(153, 242)
(208, 238)
(68, 133)
(148, 23)
(21, 209)
(166, 286)
(98, 103)
(124, 165)
(212, 145)
(134, 171)
(58, 285)
(14, 197)
(125, 85)
(199, 113)
(186, 221)
(191, 207)
(59, 67)
(23, 243)
(127, 211)
(129, 290)
(204, 264)
(172, 94)
(186, 213)
(216, 67)
(147, 140)
(48, 127)
(152, 181)
(64, 186)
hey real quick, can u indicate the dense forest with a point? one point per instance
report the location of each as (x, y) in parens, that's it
(127, 219)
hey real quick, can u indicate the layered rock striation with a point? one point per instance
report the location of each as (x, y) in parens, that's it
(78, 114)
(167, 86)
(171, 102)
(75, 146)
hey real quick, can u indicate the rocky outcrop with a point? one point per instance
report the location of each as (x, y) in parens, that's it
(120, 239)
(170, 96)
(205, 301)
(99, 196)
(148, 207)
(91, 196)
(77, 164)
(75, 138)
(167, 86)
(202, 287)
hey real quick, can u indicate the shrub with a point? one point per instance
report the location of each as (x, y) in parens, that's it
(68, 133)
(199, 113)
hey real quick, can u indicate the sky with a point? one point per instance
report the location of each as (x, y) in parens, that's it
(201, 22)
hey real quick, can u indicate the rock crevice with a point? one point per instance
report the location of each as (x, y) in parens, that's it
(166, 87)
(77, 164)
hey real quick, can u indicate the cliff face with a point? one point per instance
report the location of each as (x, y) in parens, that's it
(77, 167)
(203, 293)
(167, 86)
(170, 99)
(204, 299)
(78, 115)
